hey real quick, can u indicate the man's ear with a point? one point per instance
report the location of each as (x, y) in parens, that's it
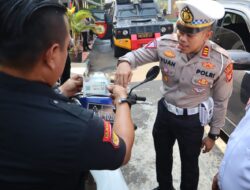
(210, 34)
(51, 55)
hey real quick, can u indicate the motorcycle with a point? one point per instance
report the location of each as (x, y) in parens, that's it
(96, 97)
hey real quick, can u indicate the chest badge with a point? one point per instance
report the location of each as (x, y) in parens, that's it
(169, 53)
(203, 82)
(208, 65)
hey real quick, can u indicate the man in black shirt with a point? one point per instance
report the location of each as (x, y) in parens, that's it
(46, 141)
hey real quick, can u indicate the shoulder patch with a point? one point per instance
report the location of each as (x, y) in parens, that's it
(229, 72)
(107, 131)
(109, 135)
(115, 140)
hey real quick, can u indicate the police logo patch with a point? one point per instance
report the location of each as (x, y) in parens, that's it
(229, 72)
(208, 65)
(203, 82)
(151, 45)
(169, 53)
(205, 51)
(107, 131)
(115, 140)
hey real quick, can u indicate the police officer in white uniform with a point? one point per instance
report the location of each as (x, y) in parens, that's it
(234, 170)
(197, 83)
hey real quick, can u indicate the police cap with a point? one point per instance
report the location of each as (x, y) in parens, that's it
(197, 15)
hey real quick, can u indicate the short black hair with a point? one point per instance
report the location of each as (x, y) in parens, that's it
(28, 28)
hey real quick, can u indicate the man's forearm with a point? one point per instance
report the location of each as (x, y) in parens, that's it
(124, 128)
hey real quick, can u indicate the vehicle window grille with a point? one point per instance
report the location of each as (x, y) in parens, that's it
(142, 29)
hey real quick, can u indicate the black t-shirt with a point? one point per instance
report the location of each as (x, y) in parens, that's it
(47, 142)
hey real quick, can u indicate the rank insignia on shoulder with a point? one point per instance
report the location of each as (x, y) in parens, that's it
(229, 72)
(169, 53)
(151, 45)
(205, 51)
(208, 65)
(107, 131)
(115, 140)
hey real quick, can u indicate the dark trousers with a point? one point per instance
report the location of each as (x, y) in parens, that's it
(188, 132)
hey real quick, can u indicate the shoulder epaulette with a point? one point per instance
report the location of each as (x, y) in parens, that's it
(171, 37)
(219, 49)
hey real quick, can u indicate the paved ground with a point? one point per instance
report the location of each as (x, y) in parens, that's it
(140, 172)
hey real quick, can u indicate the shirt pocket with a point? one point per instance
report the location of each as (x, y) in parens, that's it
(202, 81)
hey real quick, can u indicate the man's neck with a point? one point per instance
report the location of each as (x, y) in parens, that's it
(30, 75)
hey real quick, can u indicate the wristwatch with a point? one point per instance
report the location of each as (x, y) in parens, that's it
(213, 136)
(123, 100)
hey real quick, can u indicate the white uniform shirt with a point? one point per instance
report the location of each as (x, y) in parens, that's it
(234, 173)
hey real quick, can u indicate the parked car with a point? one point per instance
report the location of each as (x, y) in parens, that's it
(237, 19)
(134, 24)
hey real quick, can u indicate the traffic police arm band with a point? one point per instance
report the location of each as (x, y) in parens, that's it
(213, 136)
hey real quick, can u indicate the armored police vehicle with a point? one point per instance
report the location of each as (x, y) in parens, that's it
(134, 24)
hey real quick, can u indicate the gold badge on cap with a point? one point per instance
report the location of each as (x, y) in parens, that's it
(186, 15)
